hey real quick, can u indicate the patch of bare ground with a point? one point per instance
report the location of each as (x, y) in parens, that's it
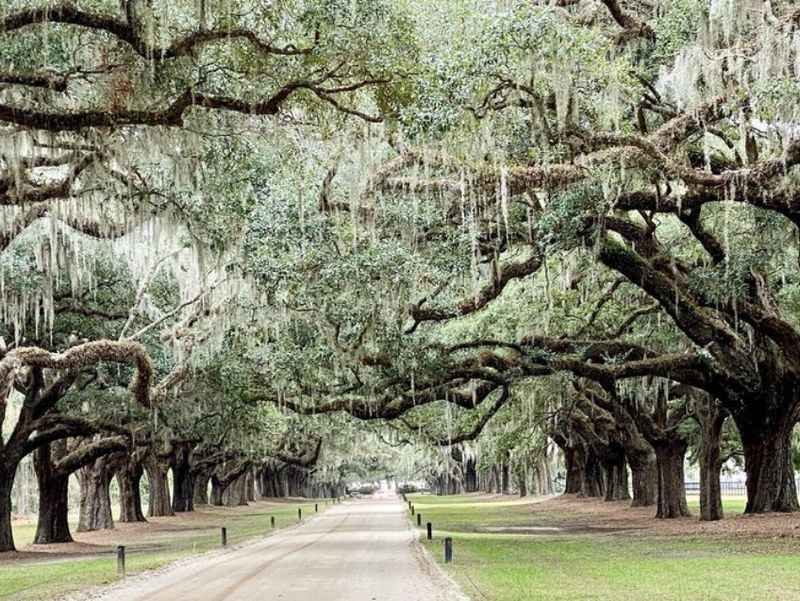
(575, 515)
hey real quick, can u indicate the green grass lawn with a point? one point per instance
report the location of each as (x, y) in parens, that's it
(45, 580)
(731, 506)
(602, 567)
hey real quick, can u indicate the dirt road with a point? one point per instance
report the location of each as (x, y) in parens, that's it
(357, 551)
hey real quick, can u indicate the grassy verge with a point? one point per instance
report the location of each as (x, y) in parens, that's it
(602, 567)
(46, 580)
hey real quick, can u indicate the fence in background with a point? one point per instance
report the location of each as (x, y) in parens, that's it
(728, 488)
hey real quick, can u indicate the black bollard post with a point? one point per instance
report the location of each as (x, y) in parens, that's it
(448, 549)
(412, 510)
(419, 519)
(430, 531)
(272, 521)
(299, 514)
(224, 536)
(316, 508)
(121, 561)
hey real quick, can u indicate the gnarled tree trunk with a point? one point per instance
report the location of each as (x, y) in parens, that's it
(201, 489)
(770, 473)
(235, 494)
(129, 479)
(217, 491)
(671, 488)
(250, 486)
(575, 465)
(644, 480)
(470, 475)
(95, 508)
(158, 497)
(182, 479)
(616, 474)
(6, 484)
(712, 421)
(593, 484)
(505, 473)
(53, 523)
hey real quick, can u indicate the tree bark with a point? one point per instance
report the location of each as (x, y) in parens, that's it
(95, 508)
(53, 523)
(201, 489)
(217, 492)
(710, 460)
(158, 498)
(235, 495)
(470, 475)
(616, 475)
(770, 473)
(506, 478)
(671, 488)
(182, 489)
(765, 423)
(6, 484)
(644, 479)
(182, 479)
(129, 479)
(250, 486)
(575, 465)
(593, 484)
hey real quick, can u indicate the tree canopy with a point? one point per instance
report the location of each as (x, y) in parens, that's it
(447, 239)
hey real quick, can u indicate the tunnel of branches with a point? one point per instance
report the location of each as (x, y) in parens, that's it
(269, 249)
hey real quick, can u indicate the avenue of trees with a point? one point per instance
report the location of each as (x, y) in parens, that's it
(268, 247)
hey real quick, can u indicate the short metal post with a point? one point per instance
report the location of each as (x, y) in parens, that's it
(412, 510)
(121, 561)
(299, 514)
(224, 536)
(448, 549)
(272, 521)
(316, 508)
(419, 519)
(430, 531)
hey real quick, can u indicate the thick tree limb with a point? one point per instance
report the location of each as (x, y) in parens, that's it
(126, 31)
(77, 357)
